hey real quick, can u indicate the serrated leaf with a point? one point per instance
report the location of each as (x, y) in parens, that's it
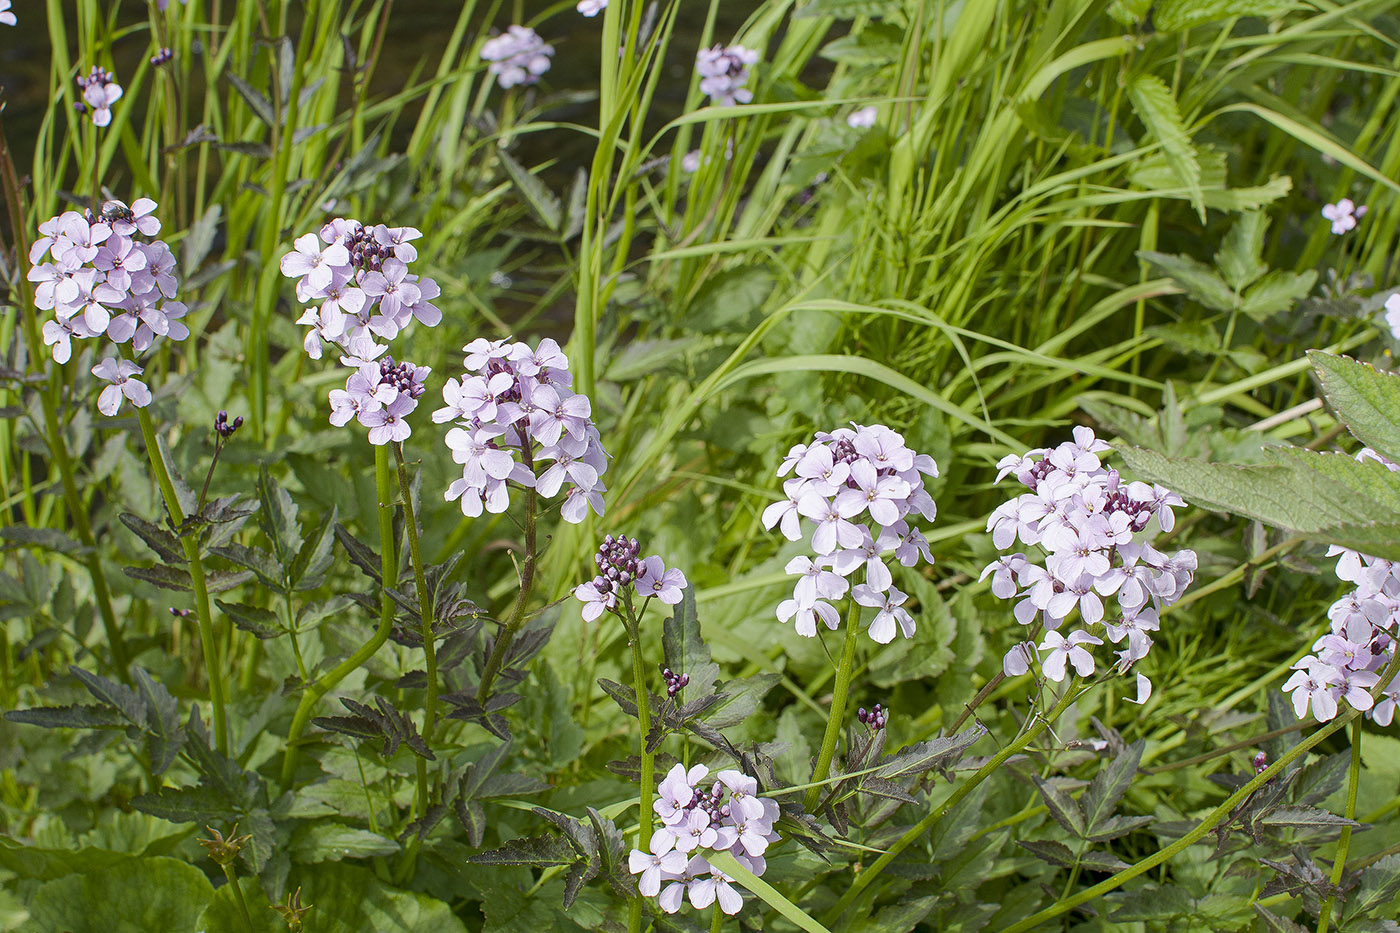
(1156, 902)
(1275, 923)
(260, 562)
(1278, 291)
(1380, 883)
(1239, 259)
(1105, 862)
(261, 622)
(199, 239)
(385, 722)
(254, 98)
(1367, 400)
(1322, 778)
(1061, 805)
(1116, 826)
(1048, 850)
(742, 698)
(1304, 816)
(121, 698)
(69, 717)
(612, 855)
(194, 804)
(1152, 101)
(314, 558)
(1176, 15)
(278, 518)
(50, 539)
(925, 756)
(846, 9)
(538, 851)
(164, 734)
(1109, 785)
(542, 202)
(1200, 280)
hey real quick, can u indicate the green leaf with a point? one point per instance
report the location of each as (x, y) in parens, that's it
(1176, 15)
(158, 539)
(308, 570)
(331, 842)
(1367, 400)
(846, 9)
(742, 698)
(1380, 883)
(197, 803)
(540, 851)
(199, 239)
(543, 203)
(1304, 816)
(1200, 280)
(261, 622)
(686, 652)
(1061, 805)
(1110, 784)
(1278, 291)
(1128, 12)
(1153, 103)
(164, 734)
(1277, 924)
(925, 756)
(69, 717)
(124, 699)
(1239, 258)
(50, 539)
(1048, 850)
(385, 723)
(260, 104)
(1153, 903)
(278, 519)
(1101, 861)
(727, 863)
(129, 895)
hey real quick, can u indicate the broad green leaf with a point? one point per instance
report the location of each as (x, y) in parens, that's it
(1153, 103)
(130, 895)
(1239, 258)
(686, 652)
(1277, 291)
(261, 622)
(1367, 401)
(13, 915)
(1064, 808)
(1175, 15)
(1049, 850)
(331, 842)
(164, 734)
(1200, 280)
(1128, 12)
(1380, 883)
(1154, 902)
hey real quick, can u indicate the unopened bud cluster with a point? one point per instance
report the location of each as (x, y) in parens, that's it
(675, 683)
(620, 569)
(875, 718)
(1261, 762)
(225, 428)
(162, 57)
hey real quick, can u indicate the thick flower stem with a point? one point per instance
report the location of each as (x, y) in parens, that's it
(425, 617)
(1339, 864)
(517, 613)
(58, 447)
(921, 828)
(214, 668)
(388, 575)
(639, 680)
(836, 716)
(238, 894)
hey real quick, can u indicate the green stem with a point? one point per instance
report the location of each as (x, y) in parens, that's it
(238, 894)
(648, 758)
(836, 717)
(921, 828)
(717, 919)
(425, 617)
(190, 543)
(389, 574)
(1344, 842)
(527, 583)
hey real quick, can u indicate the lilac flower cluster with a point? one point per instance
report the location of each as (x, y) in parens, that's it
(729, 815)
(519, 55)
(858, 486)
(1083, 517)
(592, 8)
(516, 400)
(1348, 661)
(360, 276)
(100, 91)
(622, 570)
(1343, 215)
(379, 394)
(107, 274)
(724, 72)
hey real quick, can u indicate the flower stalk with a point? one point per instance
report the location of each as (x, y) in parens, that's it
(190, 543)
(648, 759)
(425, 616)
(836, 718)
(388, 573)
(1339, 864)
(517, 613)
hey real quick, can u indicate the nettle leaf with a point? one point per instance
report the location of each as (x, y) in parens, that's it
(164, 734)
(278, 518)
(1278, 291)
(743, 698)
(1153, 103)
(1063, 807)
(69, 717)
(536, 851)
(1365, 399)
(386, 722)
(685, 650)
(1240, 256)
(1109, 786)
(1048, 850)
(1304, 816)
(315, 557)
(1176, 15)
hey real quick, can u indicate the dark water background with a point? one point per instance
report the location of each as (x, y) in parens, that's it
(418, 32)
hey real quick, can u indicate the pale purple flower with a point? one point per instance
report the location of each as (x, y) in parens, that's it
(655, 580)
(592, 8)
(386, 422)
(882, 627)
(862, 119)
(717, 886)
(1060, 650)
(100, 91)
(314, 263)
(1144, 691)
(119, 373)
(1019, 659)
(724, 72)
(816, 581)
(8, 18)
(663, 859)
(1313, 682)
(1343, 215)
(517, 56)
(676, 792)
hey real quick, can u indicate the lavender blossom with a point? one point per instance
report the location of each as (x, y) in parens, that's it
(1343, 215)
(518, 55)
(591, 8)
(100, 91)
(1086, 521)
(724, 72)
(622, 571)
